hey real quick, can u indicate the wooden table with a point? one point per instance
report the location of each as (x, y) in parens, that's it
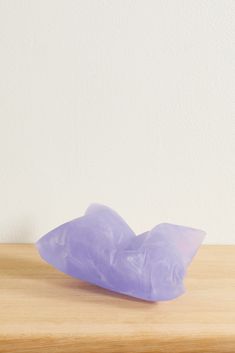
(43, 310)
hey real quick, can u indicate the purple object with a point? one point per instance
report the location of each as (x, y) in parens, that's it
(101, 248)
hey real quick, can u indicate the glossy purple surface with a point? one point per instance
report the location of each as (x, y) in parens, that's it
(101, 248)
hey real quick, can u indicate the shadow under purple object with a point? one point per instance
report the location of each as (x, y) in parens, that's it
(102, 249)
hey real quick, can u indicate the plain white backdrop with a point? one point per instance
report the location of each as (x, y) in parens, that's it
(126, 103)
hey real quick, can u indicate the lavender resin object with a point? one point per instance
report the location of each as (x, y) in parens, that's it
(102, 249)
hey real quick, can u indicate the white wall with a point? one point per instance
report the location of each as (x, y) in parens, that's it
(126, 103)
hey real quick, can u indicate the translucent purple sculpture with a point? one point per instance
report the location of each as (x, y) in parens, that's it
(102, 249)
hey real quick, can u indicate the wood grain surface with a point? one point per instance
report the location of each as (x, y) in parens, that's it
(43, 310)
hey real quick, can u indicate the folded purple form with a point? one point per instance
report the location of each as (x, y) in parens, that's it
(101, 248)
